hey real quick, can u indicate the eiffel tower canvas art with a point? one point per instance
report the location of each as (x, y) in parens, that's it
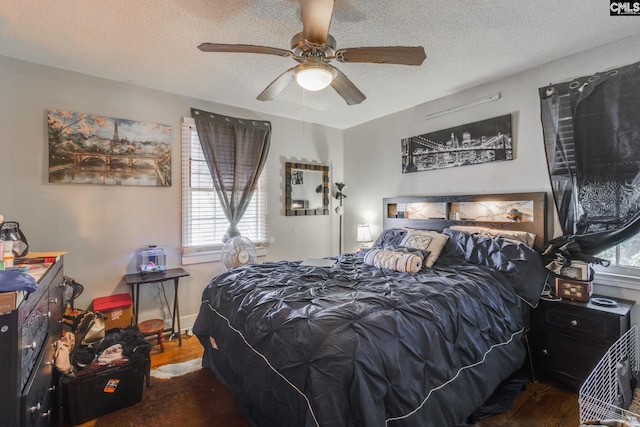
(92, 149)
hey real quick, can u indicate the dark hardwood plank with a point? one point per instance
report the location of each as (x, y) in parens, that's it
(173, 353)
(540, 405)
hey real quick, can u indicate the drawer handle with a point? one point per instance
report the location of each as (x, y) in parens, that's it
(31, 346)
(574, 322)
(53, 301)
(52, 389)
(35, 408)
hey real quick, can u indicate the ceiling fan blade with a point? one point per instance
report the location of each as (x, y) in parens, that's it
(316, 18)
(404, 55)
(346, 89)
(277, 86)
(243, 48)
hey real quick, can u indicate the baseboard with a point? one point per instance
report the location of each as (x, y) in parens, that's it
(187, 322)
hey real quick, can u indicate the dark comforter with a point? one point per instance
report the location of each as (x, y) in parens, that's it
(352, 345)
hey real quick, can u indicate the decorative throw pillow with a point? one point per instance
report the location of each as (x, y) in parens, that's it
(391, 236)
(520, 236)
(419, 252)
(430, 241)
(396, 261)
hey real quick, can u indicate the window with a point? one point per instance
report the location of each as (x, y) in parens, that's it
(625, 258)
(203, 221)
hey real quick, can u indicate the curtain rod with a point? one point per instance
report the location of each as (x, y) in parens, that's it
(474, 103)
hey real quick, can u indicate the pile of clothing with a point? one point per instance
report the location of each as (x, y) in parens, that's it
(88, 348)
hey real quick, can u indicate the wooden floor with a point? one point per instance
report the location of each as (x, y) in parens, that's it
(173, 353)
(539, 405)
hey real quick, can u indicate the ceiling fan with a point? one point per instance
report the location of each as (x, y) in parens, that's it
(314, 48)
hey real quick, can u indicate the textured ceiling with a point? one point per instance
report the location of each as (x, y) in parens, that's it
(153, 43)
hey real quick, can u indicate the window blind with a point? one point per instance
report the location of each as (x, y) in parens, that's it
(203, 221)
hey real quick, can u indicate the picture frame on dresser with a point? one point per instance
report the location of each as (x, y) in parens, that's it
(576, 270)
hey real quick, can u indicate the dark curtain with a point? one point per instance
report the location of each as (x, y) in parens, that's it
(592, 139)
(235, 150)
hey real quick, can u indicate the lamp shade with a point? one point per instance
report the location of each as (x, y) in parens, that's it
(363, 234)
(314, 77)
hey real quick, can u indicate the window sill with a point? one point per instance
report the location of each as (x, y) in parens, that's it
(617, 280)
(213, 256)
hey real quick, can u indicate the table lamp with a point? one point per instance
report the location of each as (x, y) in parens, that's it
(363, 235)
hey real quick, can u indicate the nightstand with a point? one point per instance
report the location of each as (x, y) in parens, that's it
(569, 337)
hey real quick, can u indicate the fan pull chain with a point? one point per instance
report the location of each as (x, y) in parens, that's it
(304, 111)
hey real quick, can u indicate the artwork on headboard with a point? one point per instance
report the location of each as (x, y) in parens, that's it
(92, 149)
(470, 144)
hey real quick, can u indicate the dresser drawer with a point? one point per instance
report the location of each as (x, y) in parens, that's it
(570, 359)
(585, 323)
(34, 332)
(56, 296)
(43, 289)
(38, 396)
(584, 320)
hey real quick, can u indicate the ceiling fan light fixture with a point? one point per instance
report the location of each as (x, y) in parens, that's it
(314, 77)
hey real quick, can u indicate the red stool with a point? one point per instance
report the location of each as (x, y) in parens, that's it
(153, 327)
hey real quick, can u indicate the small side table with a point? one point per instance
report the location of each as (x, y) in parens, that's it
(136, 279)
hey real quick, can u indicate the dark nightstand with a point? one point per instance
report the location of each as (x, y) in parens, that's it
(569, 337)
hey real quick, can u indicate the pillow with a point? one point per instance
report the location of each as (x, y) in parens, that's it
(419, 252)
(404, 262)
(430, 241)
(520, 236)
(391, 236)
(457, 244)
(521, 264)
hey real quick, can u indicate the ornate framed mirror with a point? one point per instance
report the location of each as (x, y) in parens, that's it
(306, 189)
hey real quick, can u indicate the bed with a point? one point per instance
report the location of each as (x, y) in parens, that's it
(355, 344)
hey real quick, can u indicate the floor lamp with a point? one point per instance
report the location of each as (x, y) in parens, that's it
(340, 195)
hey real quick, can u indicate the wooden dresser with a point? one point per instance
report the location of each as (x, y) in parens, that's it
(27, 348)
(570, 337)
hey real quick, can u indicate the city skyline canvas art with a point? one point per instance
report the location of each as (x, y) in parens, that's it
(473, 143)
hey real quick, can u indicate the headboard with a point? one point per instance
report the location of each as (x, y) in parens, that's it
(526, 210)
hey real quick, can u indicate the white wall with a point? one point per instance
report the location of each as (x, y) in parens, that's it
(372, 150)
(101, 227)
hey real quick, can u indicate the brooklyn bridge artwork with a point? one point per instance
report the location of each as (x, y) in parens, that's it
(470, 144)
(92, 149)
